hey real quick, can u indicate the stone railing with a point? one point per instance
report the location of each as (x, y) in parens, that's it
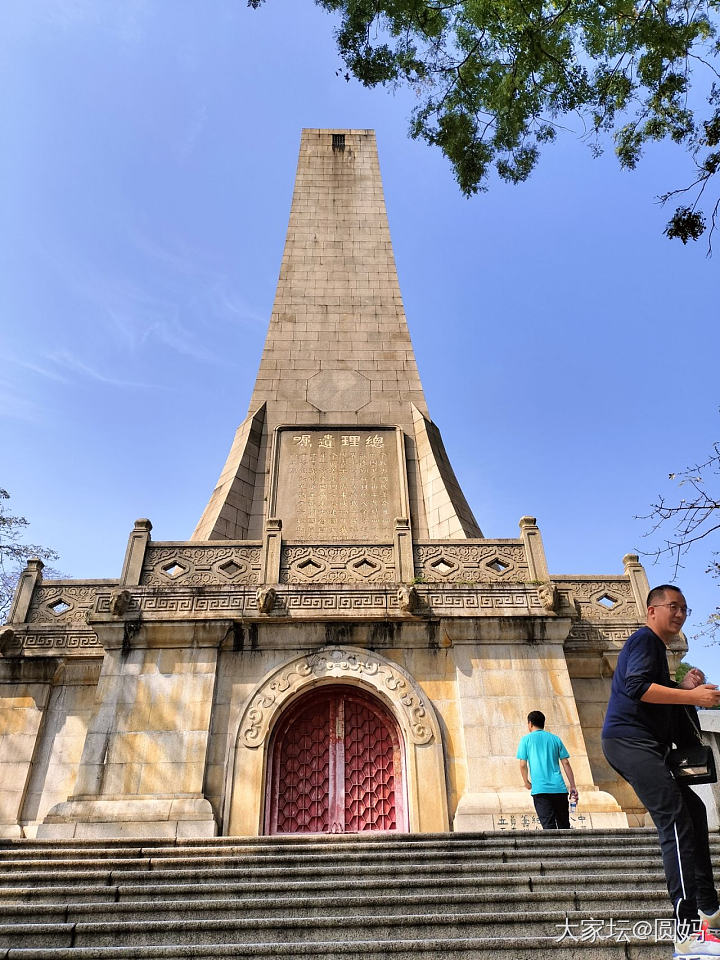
(600, 598)
(471, 561)
(338, 563)
(65, 602)
(200, 565)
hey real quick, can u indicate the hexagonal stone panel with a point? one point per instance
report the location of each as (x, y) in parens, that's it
(338, 390)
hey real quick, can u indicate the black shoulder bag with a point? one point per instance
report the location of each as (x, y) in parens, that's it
(691, 761)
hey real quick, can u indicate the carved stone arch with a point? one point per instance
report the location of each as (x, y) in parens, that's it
(248, 754)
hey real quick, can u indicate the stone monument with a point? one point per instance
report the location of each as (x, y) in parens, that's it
(337, 648)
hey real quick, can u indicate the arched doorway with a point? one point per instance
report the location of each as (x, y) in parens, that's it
(336, 766)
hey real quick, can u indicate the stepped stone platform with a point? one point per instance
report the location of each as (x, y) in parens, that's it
(513, 896)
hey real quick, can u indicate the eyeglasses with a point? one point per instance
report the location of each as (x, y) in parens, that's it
(675, 607)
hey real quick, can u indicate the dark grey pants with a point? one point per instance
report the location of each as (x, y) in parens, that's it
(552, 810)
(680, 818)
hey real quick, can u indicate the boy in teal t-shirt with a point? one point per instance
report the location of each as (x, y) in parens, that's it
(542, 753)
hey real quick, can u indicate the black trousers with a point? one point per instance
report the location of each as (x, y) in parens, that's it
(552, 810)
(680, 818)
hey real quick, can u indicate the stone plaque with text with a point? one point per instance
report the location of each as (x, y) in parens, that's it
(338, 483)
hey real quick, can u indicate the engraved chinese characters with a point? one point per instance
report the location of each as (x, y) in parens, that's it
(338, 484)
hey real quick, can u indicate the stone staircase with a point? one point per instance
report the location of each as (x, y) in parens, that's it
(510, 896)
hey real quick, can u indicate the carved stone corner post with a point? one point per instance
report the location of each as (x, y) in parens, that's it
(534, 550)
(272, 548)
(404, 565)
(135, 553)
(635, 571)
(29, 579)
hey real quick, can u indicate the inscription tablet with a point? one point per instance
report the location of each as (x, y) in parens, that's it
(338, 483)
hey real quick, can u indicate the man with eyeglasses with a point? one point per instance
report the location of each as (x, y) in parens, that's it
(636, 737)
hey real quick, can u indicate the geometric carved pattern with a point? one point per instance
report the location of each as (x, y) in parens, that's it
(601, 599)
(485, 562)
(475, 601)
(81, 642)
(200, 566)
(54, 601)
(341, 663)
(588, 633)
(301, 600)
(371, 757)
(338, 564)
(335, 764)
(301, 791)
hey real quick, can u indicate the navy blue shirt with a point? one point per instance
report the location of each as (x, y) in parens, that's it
(642, 661)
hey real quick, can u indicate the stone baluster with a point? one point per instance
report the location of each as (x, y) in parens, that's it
(135, 553)
(29, 579)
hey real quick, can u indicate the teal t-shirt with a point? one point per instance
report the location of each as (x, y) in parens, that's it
(543, 751)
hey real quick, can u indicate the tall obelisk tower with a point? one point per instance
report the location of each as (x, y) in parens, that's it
(337, 443)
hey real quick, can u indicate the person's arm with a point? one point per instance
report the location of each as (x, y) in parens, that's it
(703, 695)
(640, 675)
(524, 774)
(569, 774)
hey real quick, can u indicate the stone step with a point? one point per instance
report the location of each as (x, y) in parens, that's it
(367, 904)
(380, 873)
(510, 843)
(524, 882)
(379, 838)
(476, 853)
(447, 948)
(23, 859)
(453, 896)
(329, 843)
(348, 928)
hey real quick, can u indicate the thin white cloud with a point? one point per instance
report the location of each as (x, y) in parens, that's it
(184, 316)
(173, 334)
(41, 371)
(67, 361)
(15, 406)
(227, 304)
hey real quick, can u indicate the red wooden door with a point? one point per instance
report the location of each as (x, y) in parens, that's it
(336, 767)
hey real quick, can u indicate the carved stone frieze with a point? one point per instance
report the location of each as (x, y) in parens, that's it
(84, 642)
(201, 565)
(62, 603)
(341, 663)
(458, 562)
(302, 599)
(584, 632)
(338, 564)
(360, 600)
(187, 602)
(475, 600)
(609, 598)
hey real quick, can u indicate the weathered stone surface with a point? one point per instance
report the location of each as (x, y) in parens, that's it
(337, 555)
(600, 896)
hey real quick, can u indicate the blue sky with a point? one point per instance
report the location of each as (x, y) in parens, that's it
(568, 351)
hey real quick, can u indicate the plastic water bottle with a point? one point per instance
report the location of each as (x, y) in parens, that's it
(573, 803)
